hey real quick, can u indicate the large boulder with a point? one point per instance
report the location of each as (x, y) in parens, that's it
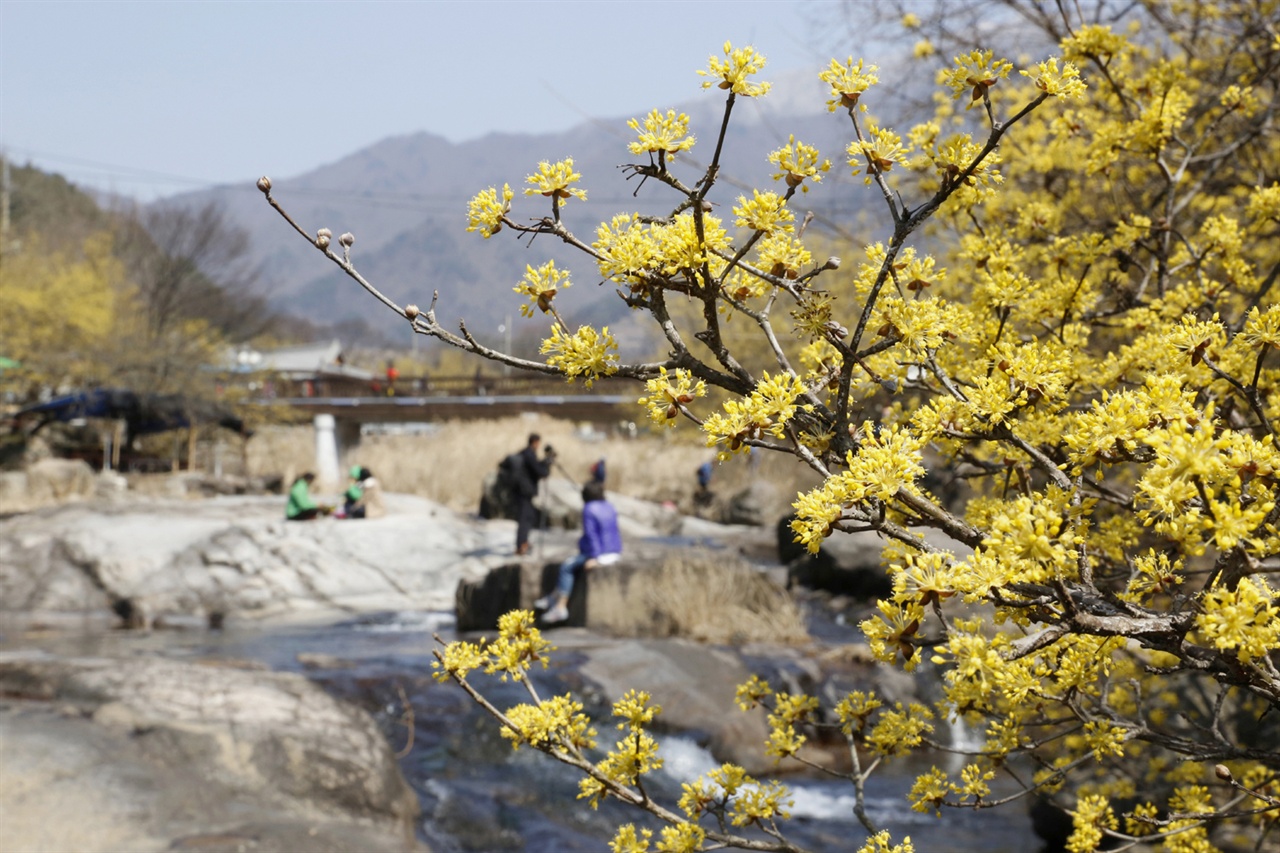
(172, 755)
(234, 558)
(46, 481)
(755, 505)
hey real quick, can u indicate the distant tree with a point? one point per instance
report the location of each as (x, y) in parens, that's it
(1092, 347)
(58, 309)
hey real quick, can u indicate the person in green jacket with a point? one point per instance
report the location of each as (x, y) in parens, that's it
(301, 506)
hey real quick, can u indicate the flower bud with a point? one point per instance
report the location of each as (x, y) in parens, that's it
(1222, 772)
(411, 311)
(833, 263)
(264, 184)
(322, 241)
(324, 232)
(347, 239)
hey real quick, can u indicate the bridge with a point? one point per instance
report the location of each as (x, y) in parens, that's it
(463, 398)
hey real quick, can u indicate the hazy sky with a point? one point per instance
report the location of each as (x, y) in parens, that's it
(151, 98)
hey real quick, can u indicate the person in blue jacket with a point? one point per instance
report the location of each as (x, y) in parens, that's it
(599, 545)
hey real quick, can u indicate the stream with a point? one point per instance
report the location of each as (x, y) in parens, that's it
(478, 794)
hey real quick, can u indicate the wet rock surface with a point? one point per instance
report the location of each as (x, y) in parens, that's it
(173, 755)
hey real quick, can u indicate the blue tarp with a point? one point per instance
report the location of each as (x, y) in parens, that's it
(144, 413)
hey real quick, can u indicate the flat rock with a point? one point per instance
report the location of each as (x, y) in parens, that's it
(235, 558)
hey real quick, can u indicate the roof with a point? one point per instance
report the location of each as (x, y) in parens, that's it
(297, 362)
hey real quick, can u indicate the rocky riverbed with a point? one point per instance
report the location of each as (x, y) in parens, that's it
(306, 719)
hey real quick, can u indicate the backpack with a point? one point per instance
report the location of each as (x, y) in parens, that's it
(512, 477)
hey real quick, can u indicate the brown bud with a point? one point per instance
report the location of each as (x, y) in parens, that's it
(833, 263)
(411, 311)
(1222, 772)
(347, 239)
(322, 240)
(324, 232)
(264, 184)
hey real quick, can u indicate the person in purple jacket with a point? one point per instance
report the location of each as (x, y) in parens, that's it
(599, 545)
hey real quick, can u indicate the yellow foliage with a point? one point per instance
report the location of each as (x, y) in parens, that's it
(59, 309)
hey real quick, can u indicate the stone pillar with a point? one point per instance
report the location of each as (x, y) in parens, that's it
(327, 473)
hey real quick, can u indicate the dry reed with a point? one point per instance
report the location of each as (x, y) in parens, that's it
(703, 596)
(448, 463)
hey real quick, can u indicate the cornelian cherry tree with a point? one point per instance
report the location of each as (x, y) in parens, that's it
(1091, 347)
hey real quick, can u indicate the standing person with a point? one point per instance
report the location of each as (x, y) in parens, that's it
(392, 375)
(599, 545)
(529, 471)
(301, 506)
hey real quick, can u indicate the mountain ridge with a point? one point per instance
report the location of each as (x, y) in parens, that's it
(404, 197)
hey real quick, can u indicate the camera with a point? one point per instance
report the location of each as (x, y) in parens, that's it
(550, 451)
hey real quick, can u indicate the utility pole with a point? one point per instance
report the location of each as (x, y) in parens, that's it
(4, 203)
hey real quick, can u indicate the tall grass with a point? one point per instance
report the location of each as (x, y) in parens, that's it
(704, 596)
(448, 465)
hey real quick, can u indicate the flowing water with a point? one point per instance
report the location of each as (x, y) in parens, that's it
(478, 794)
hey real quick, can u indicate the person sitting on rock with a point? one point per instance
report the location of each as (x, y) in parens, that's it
(302, 506)
(352, 497)
(599, 545)
(371, 505)
(363, 498)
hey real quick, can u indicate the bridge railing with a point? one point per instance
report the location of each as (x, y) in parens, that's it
(427, 385)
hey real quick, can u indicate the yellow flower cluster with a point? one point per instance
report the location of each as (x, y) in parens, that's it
(541, 286)
(848, 82)
(767, 212)
(554, 723)
(667, 133)
(788, 711)
(782, 255)
(586, 354)
(901, 730)
(735, 70)
(765, 411)
(976, 72)
(1245, 620)
(728, 789)
(632, 757)
(669, 394)
(518, 646)
(1092, 815)
(1060, 83)
(556, 181)
(798, 162)
(882, 842)
(877, 152)
(486, 211)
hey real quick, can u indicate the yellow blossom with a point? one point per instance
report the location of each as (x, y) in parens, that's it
(977, 72)
(797, 162)
(666, 133)
(848, 82)
(541, 286)
(485, 212)
(765, 212)
(556, 181)
(735, 70)
(1064, 83)
(586, 354)
(669, 394)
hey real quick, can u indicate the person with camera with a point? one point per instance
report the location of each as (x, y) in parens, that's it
(528, 474)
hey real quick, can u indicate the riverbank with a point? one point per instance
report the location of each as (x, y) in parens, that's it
(349, 615)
